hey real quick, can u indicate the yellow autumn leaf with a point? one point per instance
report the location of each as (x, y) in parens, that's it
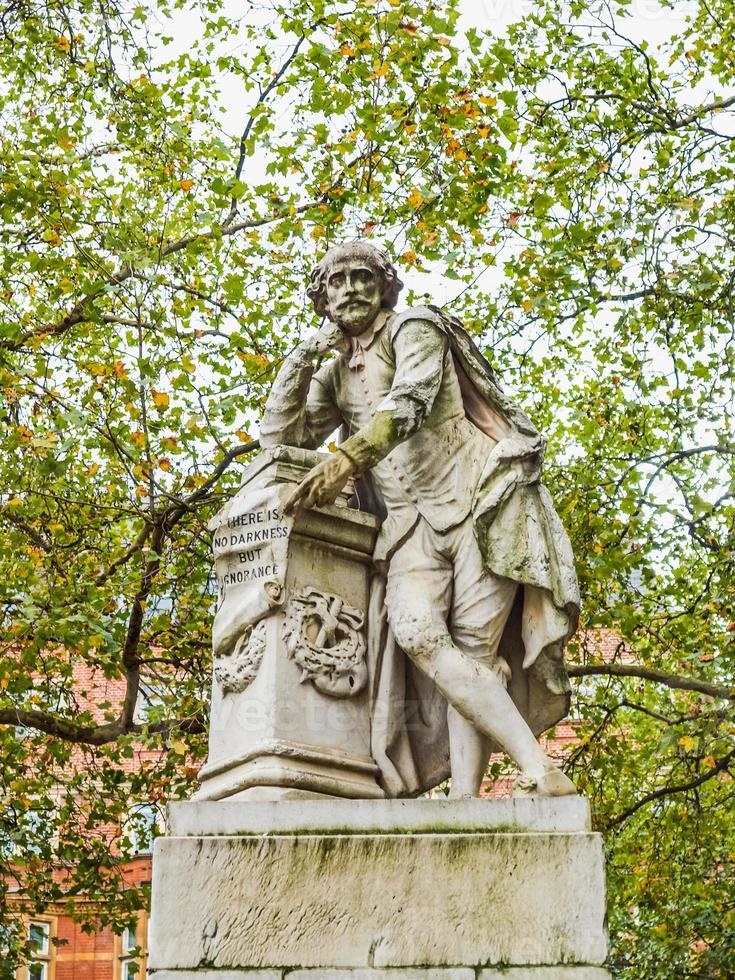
(253, 360)
(347, 50)
(164, 464)
(688, 743)
(415, 198)
(381, 70)
(160, 398)
(243, 436)
(186, 185)
(409, 258)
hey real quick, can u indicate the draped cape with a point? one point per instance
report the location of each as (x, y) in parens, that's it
(521, 538)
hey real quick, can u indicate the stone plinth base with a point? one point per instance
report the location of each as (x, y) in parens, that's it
(379, 890)
(399, 973)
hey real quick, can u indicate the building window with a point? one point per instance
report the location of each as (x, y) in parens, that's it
(144, 822)
(131, 952)
(39, 936)
(130, 956)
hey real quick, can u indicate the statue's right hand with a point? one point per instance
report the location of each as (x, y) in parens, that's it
(328, 337)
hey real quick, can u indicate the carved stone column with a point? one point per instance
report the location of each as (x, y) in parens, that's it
(290, 709)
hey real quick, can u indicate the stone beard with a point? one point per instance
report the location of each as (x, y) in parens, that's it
(480, 593)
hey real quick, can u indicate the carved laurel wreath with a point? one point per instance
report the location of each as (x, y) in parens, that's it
(323, 636)
(236, 670)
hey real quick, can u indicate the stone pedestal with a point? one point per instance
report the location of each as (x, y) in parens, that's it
(378, 889)
(290, 711)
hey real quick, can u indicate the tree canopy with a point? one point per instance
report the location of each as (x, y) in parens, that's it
(170, 173)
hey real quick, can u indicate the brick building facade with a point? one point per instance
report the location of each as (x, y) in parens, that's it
(65, 952)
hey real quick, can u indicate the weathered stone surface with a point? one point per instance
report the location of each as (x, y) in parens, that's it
(390, 900)
(546, 973)
(399, 973)
(240, 817)
(206, 974)
(290, 710)
(440, 973)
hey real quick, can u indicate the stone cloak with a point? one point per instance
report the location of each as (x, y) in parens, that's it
(521, 538)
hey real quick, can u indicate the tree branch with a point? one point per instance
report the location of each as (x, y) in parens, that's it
(135, 625)
(676, 681)
(251, 118)
(69, 731)
(79, 312)
(657, 794)
(125, 556)
(174, 511)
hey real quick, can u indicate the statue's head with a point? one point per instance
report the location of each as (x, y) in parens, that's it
(352, 283)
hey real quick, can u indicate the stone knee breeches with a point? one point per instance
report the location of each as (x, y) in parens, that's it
(439, 592)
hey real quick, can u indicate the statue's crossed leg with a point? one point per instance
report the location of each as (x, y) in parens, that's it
(435, 578)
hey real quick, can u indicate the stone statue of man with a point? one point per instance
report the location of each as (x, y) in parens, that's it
(480, 590)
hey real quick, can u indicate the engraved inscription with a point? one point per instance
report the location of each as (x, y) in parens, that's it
(245, 542)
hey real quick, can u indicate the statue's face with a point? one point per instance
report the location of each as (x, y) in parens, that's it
(354, 295)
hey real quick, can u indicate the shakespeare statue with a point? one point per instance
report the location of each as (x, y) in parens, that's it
(475, 591)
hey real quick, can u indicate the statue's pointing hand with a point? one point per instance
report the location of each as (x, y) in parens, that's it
(323, 483)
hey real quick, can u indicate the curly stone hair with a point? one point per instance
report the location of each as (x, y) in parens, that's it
(376, 258)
